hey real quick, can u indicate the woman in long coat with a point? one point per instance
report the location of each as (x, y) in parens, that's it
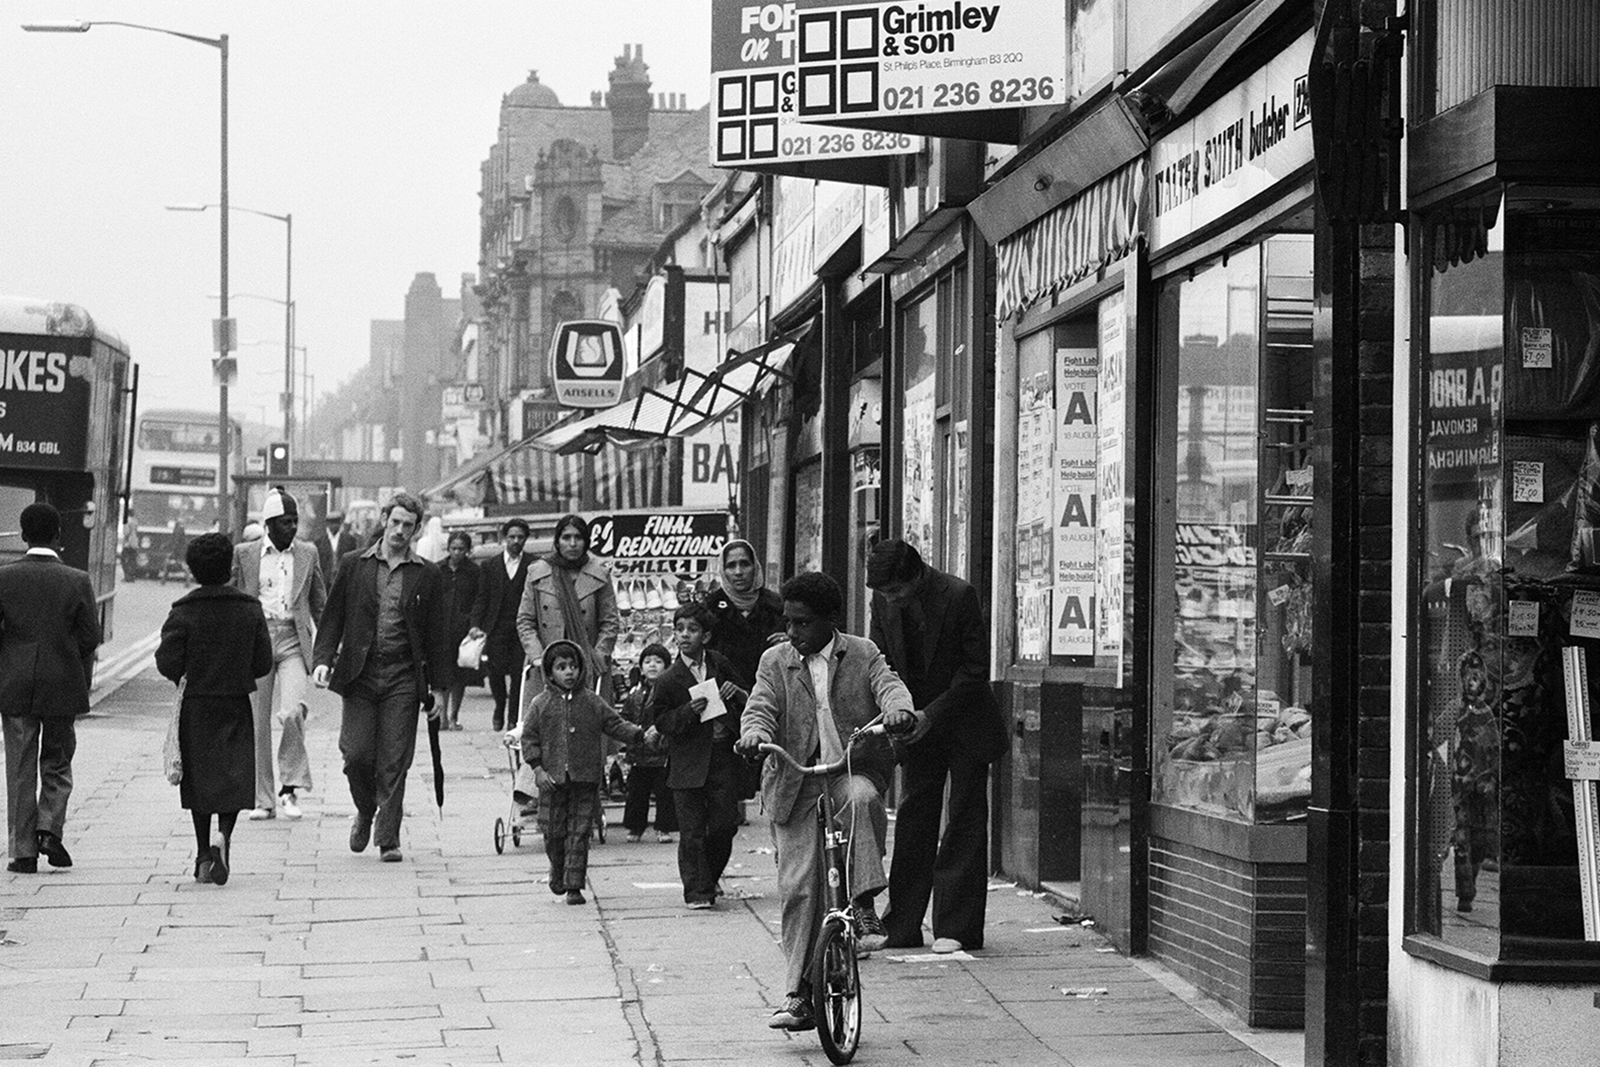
(569, 595)
(215, 641)
(458, 581)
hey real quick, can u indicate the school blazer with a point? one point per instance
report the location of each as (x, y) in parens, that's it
(49, 629)
(692, 741)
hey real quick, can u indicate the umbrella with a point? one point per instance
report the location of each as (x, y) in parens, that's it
(433, 748)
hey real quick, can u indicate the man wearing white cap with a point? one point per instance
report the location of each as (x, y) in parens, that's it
(285, 575)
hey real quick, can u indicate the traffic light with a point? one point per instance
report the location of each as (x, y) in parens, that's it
(278, 458)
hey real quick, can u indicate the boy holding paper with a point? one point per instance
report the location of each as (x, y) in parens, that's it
(696, 706)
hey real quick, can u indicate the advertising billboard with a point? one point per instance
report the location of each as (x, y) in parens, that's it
(44, 401)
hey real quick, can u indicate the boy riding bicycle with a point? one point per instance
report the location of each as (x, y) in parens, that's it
(809, 695)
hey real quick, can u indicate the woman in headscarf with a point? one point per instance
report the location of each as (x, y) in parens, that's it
(749, 615)
(569, 595)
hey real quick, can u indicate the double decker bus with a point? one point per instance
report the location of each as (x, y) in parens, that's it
(64, 388)
(173, 488)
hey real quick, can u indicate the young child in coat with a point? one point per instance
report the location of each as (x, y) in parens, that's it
(647, 766)
(563, 734)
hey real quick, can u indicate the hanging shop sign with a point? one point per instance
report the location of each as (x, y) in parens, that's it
(1236, 149)
(855, 61)
(755, 117)
(657, 542)
(586, 363)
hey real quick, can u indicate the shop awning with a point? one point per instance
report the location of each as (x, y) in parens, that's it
(525, 474)
(681, 407)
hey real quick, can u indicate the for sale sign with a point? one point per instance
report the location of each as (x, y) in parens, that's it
(754, 112)
(877, 60)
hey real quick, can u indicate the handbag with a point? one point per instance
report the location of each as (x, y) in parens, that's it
(171, 751)
(470, 655)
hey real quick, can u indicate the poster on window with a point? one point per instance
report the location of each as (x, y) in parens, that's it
(1077, 440)
(1033, 620)
(958, 518)
(1035, 448)
(916, 514)
(808, 519)
(1111, 449)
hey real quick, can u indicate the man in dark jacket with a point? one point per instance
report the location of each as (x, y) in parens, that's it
(930, 627)
(334, 545)
(385, 633)
(494, 615)
(49, 629)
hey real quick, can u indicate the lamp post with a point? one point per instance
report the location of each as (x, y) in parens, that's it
(287, 302)
(224, 327)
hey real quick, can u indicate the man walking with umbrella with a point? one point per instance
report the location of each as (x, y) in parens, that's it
(385, 634)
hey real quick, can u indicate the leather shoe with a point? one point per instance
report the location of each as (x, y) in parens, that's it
(360, 832)
(219, 866)
(24, 865)
(390, 855)
(52, 849)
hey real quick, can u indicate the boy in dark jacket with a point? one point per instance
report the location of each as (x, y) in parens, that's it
(215, 641)
(561, 741)
(647, 766)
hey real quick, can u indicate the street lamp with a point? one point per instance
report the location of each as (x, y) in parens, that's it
(287, 301)
(224, 327)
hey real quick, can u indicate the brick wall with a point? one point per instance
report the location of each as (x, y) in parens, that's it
(1235, 929)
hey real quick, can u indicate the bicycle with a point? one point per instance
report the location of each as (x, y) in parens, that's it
(833, 971)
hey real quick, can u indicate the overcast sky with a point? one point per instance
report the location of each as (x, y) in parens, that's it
(365, 120)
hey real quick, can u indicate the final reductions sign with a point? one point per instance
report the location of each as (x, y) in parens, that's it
(755, 119)
(685, 542)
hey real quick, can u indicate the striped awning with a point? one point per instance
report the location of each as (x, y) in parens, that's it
(1072, 242)
(527, 475)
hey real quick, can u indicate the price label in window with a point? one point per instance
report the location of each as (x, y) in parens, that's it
(1582, 759)
(1278, 595)
(1585, 614)
(1523, 618)
(1538, 347)
(1527, 482)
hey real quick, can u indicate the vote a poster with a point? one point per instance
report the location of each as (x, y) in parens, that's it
(1077, 443)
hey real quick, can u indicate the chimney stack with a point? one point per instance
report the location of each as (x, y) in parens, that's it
(629, 101)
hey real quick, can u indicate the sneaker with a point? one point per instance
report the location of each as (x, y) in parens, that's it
(871, 936)
(291, 810)
(664, 838)
(259, 814)
(795, 1015)
(699, 905)
(360, 832)
(575, 896)
(635, 837)
(946, 945)
(391, 854)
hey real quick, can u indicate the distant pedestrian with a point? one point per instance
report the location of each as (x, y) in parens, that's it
(702, 768)
(49, 629)
(647, 767)
(335, 543)
(459, 579)
(215, 641)
(494, 617)
(283, 573)
(562, 743)
(384, 637)
(931, 628)
(810, 695)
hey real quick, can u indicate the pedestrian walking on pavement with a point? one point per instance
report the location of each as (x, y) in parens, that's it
(333, 546)
(569, 594)
(284, 574)
(930, 626)
(494, 617)
(384, 635)
(811, 693)
(461, 579)
(49, 629)
(749, 621)
(702, 768)
(562, 745)
(647, 767)
(217, 642)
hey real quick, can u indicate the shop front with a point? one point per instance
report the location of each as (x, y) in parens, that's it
(1495, 934)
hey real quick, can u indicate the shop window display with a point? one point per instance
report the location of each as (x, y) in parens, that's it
(1510, 480)
(1235, 738)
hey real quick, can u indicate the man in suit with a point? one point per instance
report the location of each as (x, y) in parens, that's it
(930, 626)
(334, 545)
(385, 637)
(49, 629)
(810, 696)
(285, 576)
(494, 615)
(702, 770)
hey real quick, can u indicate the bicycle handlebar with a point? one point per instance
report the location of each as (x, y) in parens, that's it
(821, 770)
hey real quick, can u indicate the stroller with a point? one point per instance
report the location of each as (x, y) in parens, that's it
(516, 820)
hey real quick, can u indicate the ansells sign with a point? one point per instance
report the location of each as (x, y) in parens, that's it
(586, 363)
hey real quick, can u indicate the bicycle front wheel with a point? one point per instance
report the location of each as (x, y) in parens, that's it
(836, 991)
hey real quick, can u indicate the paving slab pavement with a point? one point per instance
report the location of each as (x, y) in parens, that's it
(313, 955)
